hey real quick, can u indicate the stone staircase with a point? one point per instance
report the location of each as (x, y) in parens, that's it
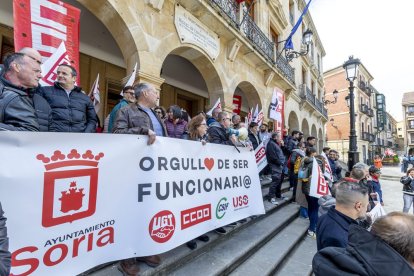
(271, 244)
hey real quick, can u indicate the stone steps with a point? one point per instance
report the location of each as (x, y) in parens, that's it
(223, 254)
(269, 258)
(230, 253)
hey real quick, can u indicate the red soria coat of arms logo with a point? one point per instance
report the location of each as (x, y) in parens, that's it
(70, 186)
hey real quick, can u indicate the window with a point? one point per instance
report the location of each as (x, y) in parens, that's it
(274, 37)
(313, 87)
(410, 109)
(399, 129)
(319, 63)
(412, 138)
(303, 76)
(411, 124)
(292, 13)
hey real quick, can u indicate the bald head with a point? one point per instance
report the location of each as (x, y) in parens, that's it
(32, 53)
(397, 230)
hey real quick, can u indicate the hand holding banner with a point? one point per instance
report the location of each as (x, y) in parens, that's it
(318, 186)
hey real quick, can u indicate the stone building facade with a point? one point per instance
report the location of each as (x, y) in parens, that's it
(196, 51)
(408, 119)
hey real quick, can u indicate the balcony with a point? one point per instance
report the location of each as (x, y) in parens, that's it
(366, 136)
(364, 87)
(309, 97)
(410, 113)
(370, 112)
(229, 9)
(366, 110)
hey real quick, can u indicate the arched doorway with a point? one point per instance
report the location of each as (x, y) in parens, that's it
(248, 96)
(305, 129)
(190, 81)
(293, 122)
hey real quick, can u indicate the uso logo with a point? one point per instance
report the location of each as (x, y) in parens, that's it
(240, 202)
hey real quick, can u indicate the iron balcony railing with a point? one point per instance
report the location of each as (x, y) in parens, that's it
(229, 9)
(258, 39)
(285, 69)
(364, 108)
(307, 95)
(370, 112)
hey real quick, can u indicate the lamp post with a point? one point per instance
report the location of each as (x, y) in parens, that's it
(335, 96)
(290, 54)
(351, 68)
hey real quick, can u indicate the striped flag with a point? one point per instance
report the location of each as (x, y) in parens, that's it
(95, 95)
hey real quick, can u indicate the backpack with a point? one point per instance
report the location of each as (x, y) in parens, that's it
(288, 165)
(296, 166)
(303, 172)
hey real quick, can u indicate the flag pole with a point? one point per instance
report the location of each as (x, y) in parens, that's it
(247, 13)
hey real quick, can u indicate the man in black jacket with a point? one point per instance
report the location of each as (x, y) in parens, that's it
(254, 136)
(276, 161)
(351, 204)
(4, 246)
(21, 75)
(218, 131)
(72, 109)
(386, 250)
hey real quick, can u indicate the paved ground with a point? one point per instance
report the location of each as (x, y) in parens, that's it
(392, 189)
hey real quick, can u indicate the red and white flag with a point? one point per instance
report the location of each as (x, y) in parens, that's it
(216, 105)
(49, 67)
(328, 170)
(95, 95)
(260, 118)
(277, 108)
(249, 116)
(318, 186)
(256, 114)
(44, 25)
(131, 79)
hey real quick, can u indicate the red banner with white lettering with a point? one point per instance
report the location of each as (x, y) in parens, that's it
(43, 25)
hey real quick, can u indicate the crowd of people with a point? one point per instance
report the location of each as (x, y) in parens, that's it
(64, 107)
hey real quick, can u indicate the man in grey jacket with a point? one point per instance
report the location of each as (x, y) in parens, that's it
(4, 246)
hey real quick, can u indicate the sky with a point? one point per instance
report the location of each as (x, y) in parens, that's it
(379, 33)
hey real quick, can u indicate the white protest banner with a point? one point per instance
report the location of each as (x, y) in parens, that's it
(216, 105)
(74, 201)
(328, 170)
(318, 186)
(377, 212)
(260, 154)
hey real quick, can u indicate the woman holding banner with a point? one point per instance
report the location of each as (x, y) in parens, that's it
(197, 131)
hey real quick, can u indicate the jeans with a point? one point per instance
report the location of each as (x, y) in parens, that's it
(313, 207)
(293, 181)
(303, 212)
(408, 201)
(276, 186)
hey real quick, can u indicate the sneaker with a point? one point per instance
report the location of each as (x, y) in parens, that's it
(311, 234)
(192, 244)
(261, 178)
(233, 224)
(282, 198)
(220, 231)
(274, 202)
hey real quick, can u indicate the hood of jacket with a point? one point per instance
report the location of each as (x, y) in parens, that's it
(300, 152)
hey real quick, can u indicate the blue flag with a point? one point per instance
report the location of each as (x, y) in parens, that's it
(288, 42)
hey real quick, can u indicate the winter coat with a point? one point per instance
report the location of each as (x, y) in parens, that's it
(332, 229)
(175, 130)
(275, 157)
(365, 255)
(73, 113)
(376, 188)
(325, 203)
(132, 119)
(4, 246)
(336, 170)
(408, 183)
(114, 112)
(217, 134)
(17, 112)
(291, 144)
(43, 112)
(295, 154)
(255, 142)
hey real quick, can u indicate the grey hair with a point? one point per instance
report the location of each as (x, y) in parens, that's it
(140, 88)
(276, 135)
(358, 173)
(361, 166)
(347, 193)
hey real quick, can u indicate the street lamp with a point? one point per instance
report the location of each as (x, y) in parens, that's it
(290, 54)
(351, 68)
(335, 95)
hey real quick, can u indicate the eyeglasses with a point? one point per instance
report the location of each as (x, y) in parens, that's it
(158, 111)
(131, 93)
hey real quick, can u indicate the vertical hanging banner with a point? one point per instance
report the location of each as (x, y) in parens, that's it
(44, 25)
(318, 186)
(237, 104)
(277, 108)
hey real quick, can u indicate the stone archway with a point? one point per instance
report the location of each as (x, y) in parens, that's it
(305, 129)
(189, 69)
(321, 140)
(117, 24)
(293, 122)
(250, 96)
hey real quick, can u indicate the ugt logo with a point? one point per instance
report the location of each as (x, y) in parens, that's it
(69, 194)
